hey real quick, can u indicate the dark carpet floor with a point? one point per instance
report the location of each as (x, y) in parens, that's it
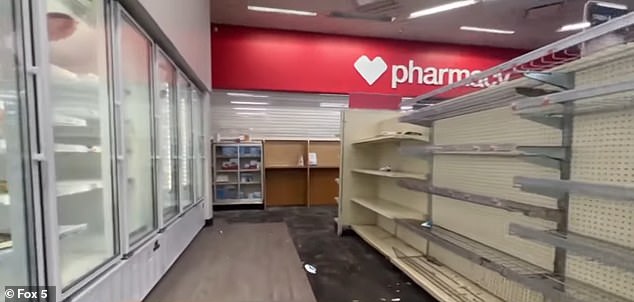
(348, 270)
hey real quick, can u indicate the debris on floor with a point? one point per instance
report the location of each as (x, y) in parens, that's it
(311, 269)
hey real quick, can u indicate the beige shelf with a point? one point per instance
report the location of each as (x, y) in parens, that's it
(441, 282)
(388, 209)
(391, 138)
(383, 241)
(286, 167)
(391, 174)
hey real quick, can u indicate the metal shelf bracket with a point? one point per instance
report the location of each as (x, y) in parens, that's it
(563, 80)
(499, 203)
(596, 250)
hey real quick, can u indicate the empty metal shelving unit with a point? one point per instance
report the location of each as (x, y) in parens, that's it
(521, 192)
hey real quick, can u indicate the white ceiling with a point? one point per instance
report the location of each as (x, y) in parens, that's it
(533, 30)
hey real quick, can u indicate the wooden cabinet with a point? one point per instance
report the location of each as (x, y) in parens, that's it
(291, 180)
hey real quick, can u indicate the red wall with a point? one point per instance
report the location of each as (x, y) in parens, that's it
(264, 59)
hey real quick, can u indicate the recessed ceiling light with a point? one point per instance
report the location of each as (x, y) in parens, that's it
(281, 11)
(248, 95)
(574, 26)
(248, 103)
(441, 8)
(611, 5)
(488, 30)
(333, 105)
(249, 108)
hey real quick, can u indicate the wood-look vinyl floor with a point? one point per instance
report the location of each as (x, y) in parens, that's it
(239, 262)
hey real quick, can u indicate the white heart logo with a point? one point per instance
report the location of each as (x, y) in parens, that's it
(370, 70)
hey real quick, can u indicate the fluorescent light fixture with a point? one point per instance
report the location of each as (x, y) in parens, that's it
(250, 108)
(611, 5)
(441, 8)
(333, 105)
(251, 113)
(574, 26)
(248, 103)
(488, 30)
(248, 95)
(280, 11)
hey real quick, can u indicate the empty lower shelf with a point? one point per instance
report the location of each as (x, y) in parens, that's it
(383, 241)
(238, 201)
(441, 282)
(387, 208)
(390, 174)
(515, 269)
(601, 251)
(391, 138)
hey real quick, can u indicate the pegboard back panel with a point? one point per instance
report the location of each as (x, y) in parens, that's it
(490, 176)
(608, 278)
(491, 281)
(611, 71)
(495, 126)
(602, 152)
(388, 189)
(490, 226)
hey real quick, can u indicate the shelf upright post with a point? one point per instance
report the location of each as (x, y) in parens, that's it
(430, 181)
(565, 173)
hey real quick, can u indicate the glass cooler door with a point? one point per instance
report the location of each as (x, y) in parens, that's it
(80, 104)
(167, 144)
(17, 250)
(136, 130)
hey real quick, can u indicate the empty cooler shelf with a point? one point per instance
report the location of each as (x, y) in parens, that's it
(559, 188)
(388, 209)
(390, 174)
(499, 203)
(515, 269)
(391, 138)
(71, 187)
(383, 241)
(69, 230)
(601, 251)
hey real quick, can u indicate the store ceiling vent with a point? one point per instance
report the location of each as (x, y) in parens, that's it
(373, 10)
(544, 10)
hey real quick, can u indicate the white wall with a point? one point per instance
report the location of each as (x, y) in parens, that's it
(187, 24)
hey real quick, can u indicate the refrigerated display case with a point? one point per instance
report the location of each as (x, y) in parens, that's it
(80, 103)
(89, 156)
